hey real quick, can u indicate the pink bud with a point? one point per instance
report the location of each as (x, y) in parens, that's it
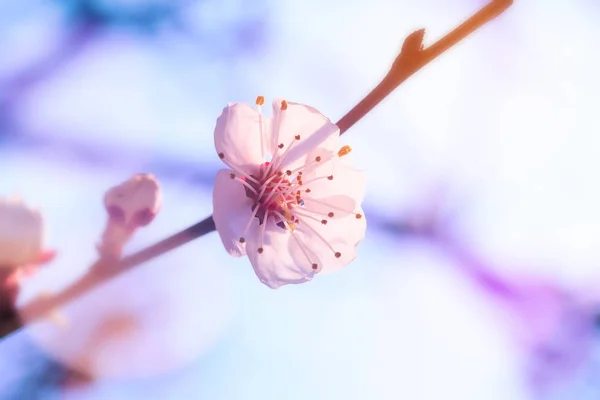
(130, 205)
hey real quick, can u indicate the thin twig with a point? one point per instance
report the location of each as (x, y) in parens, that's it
(412, 58)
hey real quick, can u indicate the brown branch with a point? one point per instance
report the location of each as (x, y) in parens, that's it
(412, 58)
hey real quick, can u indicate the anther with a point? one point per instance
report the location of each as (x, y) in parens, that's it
(280, 145)
(297, 137)
(324, 221)
(330, 215)
(284, 105)
(288, 172)
(315, 266)
(358, 216)
(260, 250)
(318, 158)
(221, 156)
(260, 100)
(344, 150)
(307, 190)
(232, 176)
(300, 173)
(242, 240)
(338, 254)
(330, 177)
(279, 173)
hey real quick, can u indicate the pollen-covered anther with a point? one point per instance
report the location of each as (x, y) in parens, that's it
(331, 214)
(260, 250)
(318, 158)
(297, 137)
(330, 177)
(344, 151)
(315, 266)
(288, 172)
(324, 221)
(232, 176)
(284, 105)
(280, 145)
(260, 100)
(308, 190)
(242, 240)
(338, 254)
(358, 216)
(221, 155)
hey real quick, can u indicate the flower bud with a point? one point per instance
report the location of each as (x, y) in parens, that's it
(130, 205)
(21, 235)
(21, 248)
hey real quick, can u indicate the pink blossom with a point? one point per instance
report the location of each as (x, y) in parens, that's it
(21, 247)
(289, 201)
(130, 205)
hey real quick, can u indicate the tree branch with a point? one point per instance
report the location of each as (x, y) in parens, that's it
(412, 58)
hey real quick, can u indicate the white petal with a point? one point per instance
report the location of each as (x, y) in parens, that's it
(314, 129)
(346, 181)
(338, 235)
(241, 136)
(232, 210)
(282, 260)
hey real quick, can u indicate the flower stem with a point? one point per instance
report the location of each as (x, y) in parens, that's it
(411, 59)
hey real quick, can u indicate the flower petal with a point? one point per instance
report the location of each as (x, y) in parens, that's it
(345, 180)
(241, 136)
(232, 210)
(282, 259)
(294, 121)
(334, 241)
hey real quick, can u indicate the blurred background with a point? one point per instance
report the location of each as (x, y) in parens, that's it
(479, 277)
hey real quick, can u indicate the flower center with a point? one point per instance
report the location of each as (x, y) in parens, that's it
(273, 192)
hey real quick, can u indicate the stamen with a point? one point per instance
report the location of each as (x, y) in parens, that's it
(243, 182)
(358, 216)
(310, 166)
(344, 151)
(330, 177)
(221, 155)
(266, 183)
(278, 160)
(284, 105)
(262, 232)
(238, 171)
(260, 100)
(302, 214)
(317, 234)
(313, 265)
(313, 180)
(332, 206)
(254, 211)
